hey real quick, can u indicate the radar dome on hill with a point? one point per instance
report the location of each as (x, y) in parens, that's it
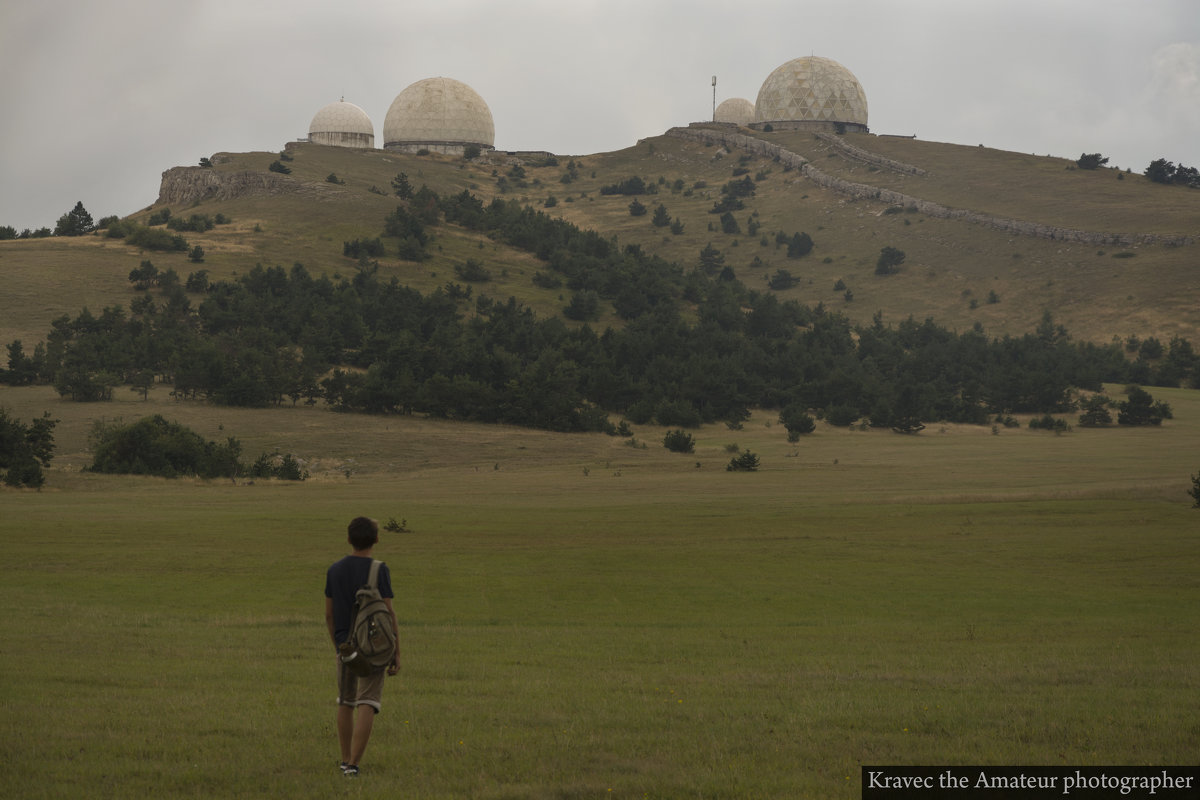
(737, 110)
(438, 114)
(811, 92)
(342, 124)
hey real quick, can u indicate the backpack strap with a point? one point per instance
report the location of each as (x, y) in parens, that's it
(373, 577)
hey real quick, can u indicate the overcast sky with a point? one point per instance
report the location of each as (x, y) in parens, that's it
(97, 99)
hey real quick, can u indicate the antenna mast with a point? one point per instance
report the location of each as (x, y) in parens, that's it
(714, 116)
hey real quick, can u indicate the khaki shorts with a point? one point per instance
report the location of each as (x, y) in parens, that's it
(354, 690)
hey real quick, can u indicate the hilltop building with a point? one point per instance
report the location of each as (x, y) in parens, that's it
(342, 124)
(736, 110)
(811, 93)
(441, 115)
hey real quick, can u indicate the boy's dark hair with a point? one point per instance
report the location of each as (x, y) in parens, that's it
(363, 532)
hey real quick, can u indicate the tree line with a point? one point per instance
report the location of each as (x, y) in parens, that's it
(696, 345)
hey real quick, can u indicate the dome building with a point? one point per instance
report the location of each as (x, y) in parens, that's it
(438, 114)
(811, 92)
(342, 124)
(736, 110)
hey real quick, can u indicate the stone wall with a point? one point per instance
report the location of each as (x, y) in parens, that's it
(861, 191)
(858, 154)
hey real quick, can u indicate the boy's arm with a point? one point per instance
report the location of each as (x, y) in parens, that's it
(395, 667)
(329, 619)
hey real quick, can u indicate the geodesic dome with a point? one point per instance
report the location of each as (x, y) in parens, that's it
(342, 124)
(737, 110)
(811, 89)
(439, 114)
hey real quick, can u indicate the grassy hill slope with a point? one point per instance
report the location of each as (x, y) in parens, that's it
(952, 269)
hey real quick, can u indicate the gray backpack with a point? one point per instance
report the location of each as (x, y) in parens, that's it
(371, 645)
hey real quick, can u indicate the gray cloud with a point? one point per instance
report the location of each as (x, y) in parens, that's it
(99, 99)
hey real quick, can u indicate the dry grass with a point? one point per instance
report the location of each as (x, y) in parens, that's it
(944, 464)
(950, 271)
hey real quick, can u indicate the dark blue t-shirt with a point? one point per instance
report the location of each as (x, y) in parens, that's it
(345, 578)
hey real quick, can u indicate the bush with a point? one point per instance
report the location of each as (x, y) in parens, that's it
(1095, 412)
(797, 421)
(1049, 423)
(889, 261)
(546, 280)
(679, 441)
(154, 239)
(372, 248)
(1141, 409)
(729, 225)
(278, 166)
(782, 279)
(636, 209)
(746, 462)
(25, 449)
(800, 245)
(584, 305)
(726, 204)
(842, 415)
(629, 186)
(145, 276)
(197, 282)
(472, 271)
(743, 188)
(153, 446)
(197, 223)
(285, 468)
(677, 413)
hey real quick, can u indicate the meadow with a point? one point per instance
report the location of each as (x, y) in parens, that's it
(584, 618)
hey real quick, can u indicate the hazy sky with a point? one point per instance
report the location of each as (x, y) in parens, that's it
(98, 98)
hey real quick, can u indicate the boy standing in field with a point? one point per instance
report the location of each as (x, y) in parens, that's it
(342, 580)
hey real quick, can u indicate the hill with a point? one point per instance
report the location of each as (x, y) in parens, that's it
(958, 272)
(692, 278)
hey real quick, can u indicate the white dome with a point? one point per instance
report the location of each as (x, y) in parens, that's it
(342, 124)
(737, 110)
(811, 89)
(440, 114)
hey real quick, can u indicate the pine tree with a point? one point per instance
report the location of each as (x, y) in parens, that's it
(75, 222)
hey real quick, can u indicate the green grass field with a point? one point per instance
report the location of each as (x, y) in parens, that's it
(582, 618)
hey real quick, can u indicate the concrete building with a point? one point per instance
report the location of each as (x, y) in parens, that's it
(441, 115)
(342, 124)
(811, 93)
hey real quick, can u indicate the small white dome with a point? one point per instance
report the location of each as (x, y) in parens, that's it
(342, 124)
(737, 110)
(438, 113)
(811, 89)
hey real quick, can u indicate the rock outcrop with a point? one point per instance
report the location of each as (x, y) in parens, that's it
(188, 185)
